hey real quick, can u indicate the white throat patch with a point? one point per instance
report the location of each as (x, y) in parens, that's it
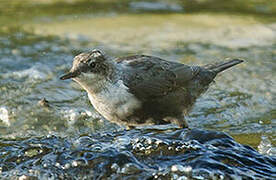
(113, 101)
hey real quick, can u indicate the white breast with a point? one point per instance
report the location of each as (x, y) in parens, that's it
(114, 101)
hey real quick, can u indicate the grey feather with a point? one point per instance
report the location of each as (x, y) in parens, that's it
(152, 77)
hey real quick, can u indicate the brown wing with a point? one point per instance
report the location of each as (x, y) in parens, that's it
(152, 77)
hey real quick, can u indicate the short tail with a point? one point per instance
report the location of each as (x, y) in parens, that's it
(219, 67)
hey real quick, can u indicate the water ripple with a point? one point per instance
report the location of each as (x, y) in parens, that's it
(143, 154)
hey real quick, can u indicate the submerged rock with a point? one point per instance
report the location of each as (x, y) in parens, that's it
(44, 102)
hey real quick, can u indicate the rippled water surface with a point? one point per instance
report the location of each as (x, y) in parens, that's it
(233, 126)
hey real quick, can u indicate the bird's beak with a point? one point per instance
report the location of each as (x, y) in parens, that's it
(70, 75)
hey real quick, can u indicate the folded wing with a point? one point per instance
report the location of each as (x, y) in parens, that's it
(149, 77)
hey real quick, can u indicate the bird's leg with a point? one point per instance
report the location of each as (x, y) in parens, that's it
(179, 121)
(129, 127)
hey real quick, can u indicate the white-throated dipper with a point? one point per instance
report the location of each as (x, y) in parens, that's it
(142, 90)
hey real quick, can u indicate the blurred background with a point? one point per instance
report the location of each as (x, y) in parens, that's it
(39, 38)
(46, 124)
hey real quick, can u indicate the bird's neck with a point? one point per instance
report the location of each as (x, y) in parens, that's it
(93, 84)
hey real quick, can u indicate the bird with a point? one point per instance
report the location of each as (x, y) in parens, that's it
(141, 90)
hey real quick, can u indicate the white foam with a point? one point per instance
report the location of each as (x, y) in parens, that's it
(30, 73)
(4, 116)
(72, 115)
(265, 147)
(179, 167)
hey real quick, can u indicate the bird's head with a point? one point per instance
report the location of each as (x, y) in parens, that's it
(89, 68)
(93, 63)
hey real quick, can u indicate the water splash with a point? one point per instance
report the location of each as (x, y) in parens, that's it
(4, 116)
(144, 154)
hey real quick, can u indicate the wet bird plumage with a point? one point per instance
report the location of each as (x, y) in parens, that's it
(141, 90)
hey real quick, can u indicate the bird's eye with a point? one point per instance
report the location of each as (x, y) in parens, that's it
(92, 64)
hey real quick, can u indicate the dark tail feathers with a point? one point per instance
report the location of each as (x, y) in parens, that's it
(219, 67)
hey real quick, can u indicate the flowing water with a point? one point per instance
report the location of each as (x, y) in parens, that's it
(232, 126)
